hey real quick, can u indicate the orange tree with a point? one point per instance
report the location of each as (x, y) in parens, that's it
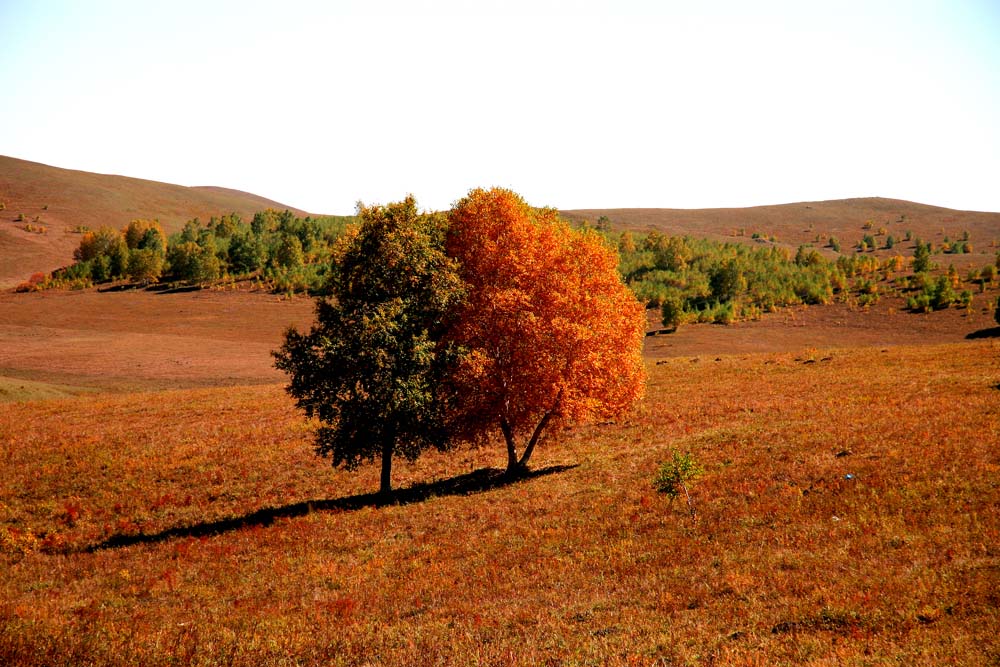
(371, 366)
(550, 333)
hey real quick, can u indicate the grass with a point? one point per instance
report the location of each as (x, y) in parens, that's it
(223, 540)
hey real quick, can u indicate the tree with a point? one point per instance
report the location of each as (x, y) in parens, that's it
(922, 257)
(144, 265)
(371, 367)
(247, 252)
(551, 334)
(105, 241)
(288, 253)
(672, 311)
(147, 235)
(193, 263)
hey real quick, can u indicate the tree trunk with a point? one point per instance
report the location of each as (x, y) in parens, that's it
(508, 435)
(385, 483)
(523, 463)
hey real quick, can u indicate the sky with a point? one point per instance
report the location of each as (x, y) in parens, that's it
(573, 104)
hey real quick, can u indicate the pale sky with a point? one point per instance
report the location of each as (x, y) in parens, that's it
(581, 104)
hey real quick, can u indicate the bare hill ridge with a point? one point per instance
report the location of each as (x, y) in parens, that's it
(63, 200)
(800, 223)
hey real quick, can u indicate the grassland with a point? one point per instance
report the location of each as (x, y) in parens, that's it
(849, 515)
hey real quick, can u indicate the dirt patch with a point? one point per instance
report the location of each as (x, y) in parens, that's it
(139, 339)
(821, 327)
(143, 340)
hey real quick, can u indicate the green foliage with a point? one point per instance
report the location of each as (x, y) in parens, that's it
(932, 294)
(674, 476)
(288, 253)
(247, 252)
(144, 265)
(834, 244)
(371, 367)
(922, 257)
(707, 281)
(193, 263)
(672, 310)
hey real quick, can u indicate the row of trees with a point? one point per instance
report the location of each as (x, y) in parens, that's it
(702, 280)
(442, 329)
(290, 252)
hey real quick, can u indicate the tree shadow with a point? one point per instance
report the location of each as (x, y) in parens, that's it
(478, 481)
(993, 332)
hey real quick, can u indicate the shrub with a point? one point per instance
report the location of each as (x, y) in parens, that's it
(675, 475)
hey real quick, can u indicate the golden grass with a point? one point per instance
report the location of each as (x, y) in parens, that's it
(788, 561)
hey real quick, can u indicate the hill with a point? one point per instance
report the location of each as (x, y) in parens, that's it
(793, 225)
(54, 202)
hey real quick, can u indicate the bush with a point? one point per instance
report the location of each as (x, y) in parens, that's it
(675, 475)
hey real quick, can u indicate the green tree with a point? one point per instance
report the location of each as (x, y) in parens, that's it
(144, 265)
(371, 367)
(247, 252)
(922, 257)
(193, 263)
(672, 311)
(288, 253)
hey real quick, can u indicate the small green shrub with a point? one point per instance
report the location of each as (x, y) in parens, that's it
(675, 475)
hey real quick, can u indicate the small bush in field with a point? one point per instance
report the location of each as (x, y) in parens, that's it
(675, 475)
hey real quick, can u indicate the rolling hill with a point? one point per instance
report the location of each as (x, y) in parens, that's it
(792, 225)
(64, 200)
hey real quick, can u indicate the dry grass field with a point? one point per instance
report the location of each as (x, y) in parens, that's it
(849, 513)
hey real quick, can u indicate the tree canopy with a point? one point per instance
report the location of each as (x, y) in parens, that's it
(551, 333)
(371, 366)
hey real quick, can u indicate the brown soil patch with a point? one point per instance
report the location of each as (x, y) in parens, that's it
(821, 327)
(138, 339)
(132, 340)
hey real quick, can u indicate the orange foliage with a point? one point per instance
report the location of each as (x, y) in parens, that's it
(553, 334)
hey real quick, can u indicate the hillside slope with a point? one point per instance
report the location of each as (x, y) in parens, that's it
(792, 225)
(64, 199)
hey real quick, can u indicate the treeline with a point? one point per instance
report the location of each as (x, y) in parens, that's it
(701, 280)
(286, 252)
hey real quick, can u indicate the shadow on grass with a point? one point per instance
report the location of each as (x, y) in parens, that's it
(173, 289)
(984, 333)
(484, 479)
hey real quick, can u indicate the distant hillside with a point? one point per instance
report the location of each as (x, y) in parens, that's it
(792, 225)
(64, 200)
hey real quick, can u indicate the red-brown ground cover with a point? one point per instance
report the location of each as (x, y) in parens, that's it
(849, 514)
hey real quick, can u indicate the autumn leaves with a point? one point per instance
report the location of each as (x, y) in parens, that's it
(496, 318)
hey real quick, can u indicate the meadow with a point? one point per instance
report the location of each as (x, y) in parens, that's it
(849, 514)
